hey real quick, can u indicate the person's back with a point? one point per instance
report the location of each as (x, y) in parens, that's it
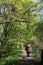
(28, 50)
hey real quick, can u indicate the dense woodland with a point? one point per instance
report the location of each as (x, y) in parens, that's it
(21, 21)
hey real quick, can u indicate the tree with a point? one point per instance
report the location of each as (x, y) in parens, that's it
(19, 20)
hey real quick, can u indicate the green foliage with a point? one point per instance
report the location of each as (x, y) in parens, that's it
(11, 60)
(20, 23)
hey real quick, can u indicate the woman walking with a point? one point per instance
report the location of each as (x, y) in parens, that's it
(28, 49)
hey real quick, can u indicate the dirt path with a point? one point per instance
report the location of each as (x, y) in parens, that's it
(24, 60)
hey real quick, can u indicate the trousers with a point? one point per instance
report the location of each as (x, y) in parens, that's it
(28, 54)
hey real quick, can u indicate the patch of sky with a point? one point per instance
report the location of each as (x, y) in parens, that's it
(35, 0)
(41, 11)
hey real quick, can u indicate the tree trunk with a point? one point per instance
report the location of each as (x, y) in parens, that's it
(42, 57)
